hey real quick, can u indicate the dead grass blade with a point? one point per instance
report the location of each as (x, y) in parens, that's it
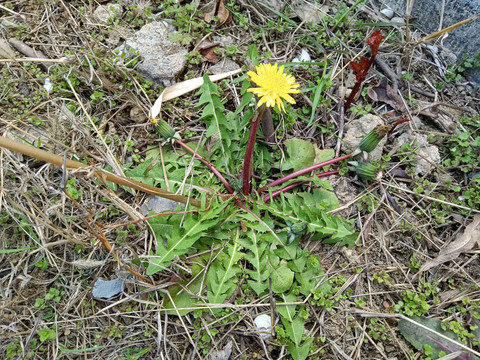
(463, 243)
(71, 164)
(184, 87)
(436, 34)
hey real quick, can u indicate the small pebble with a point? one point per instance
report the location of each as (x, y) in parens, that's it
(10, 25)
(398, 20)
(433, 49)
(388, 13)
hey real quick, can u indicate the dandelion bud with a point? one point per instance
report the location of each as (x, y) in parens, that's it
(166, 131)
(368, 171)
(371, 140)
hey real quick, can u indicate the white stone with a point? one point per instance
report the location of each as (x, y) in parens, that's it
(388, 13)
(104, 12)
(398, 20)
(263, 326)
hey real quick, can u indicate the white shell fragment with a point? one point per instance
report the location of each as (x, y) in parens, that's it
(388, 13)
(48, 86)
(303, 57)
(263, 326)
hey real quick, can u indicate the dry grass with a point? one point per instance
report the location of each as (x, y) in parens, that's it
(35, 212)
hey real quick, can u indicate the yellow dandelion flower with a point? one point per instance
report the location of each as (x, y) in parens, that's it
(273, 85)
(154, 121)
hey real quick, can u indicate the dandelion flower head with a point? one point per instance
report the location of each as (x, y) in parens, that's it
(273, 85)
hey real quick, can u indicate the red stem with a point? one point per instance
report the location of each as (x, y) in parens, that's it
(298, 183)
(209, 165)
(354, 91)
(304, 171)
(402, 120)
(247, 162)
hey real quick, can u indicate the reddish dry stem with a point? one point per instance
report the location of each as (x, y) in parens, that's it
(400, 121)
(304, 171)
(362, 68)
(247, 162)
(298, 183)
(209, 165)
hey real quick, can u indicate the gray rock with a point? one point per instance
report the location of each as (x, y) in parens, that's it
(276, 5)
(224, 41)
(163, 59)
(106, 289)
(158, 204)
(473, 75)
(138, 115)
(6, 51)
(308, 11)
(449, 57)
(222, 66)
(109, 11)
(10, 25)
(426, 156)
(428, 13)
(223, 354)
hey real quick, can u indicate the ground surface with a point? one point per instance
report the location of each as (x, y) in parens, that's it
(51, 257)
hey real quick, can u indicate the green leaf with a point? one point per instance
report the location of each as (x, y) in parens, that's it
(181, 239)
(420, 337)
(323, 155)
(300, 154)
(324, 197)
(294, 329)
(300, 352)
(179, 298)
(252, 53)
(223, 273)
(310, 277)
(288, 311)
(282, 278)
(46, 334)
(256, 244)
(9, 251)
(220, 129)
(325, 226)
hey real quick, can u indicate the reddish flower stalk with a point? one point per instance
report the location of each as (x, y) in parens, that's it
(374, 43)
(247, 162)
(400, 121)
(209, 165)
(304, 171)
(362, 67)
(275, 193)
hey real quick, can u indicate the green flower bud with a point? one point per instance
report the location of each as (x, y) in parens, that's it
(371, 140)
(295, 230)
(166, 131)
(368, 171)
